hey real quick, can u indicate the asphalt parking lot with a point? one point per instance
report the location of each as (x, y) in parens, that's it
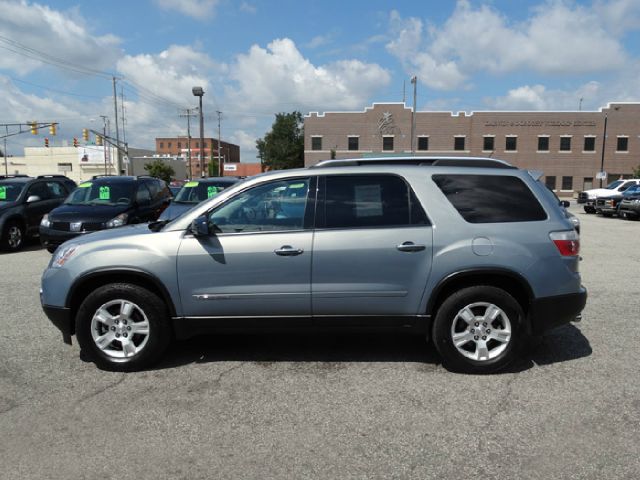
(330, 406)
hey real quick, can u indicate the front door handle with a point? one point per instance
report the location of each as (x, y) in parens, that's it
(410, 247)
(288, 251)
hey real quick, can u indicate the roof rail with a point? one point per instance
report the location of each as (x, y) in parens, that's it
(52, 175)
(478, 162)
(17, 175)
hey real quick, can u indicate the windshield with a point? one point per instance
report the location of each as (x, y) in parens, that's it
(90, 193)
(613, 185)
(10, 191)
(196, 192)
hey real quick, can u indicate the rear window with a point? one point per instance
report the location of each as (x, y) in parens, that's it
(490, 198)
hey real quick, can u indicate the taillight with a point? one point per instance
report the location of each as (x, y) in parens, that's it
(567, 242)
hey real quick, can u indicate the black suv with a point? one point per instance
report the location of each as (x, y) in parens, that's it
(104, 202)
(23, 202)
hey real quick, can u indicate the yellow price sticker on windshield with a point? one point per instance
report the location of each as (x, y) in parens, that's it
(85, 185)
(191, 184)
(297, 185)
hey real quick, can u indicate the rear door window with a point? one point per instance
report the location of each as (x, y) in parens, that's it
(490, 198)
(364, 201)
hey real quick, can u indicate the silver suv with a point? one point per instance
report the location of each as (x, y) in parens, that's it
(472, 253)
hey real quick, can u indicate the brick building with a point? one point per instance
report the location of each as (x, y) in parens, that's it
(179, 146)
(566, 146)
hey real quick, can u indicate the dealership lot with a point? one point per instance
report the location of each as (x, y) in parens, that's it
(329, 406)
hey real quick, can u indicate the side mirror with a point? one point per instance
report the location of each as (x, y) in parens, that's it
(200, 226)
(565, 203)
(33, 198)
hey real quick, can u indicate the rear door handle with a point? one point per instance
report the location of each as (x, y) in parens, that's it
(410, 247)
(288, 251)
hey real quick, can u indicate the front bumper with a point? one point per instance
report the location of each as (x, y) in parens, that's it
(55, 238)
(61, 318)
(550, 312)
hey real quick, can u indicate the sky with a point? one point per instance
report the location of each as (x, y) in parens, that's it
(256, 58)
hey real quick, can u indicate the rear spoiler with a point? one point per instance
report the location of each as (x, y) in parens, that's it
(536, 174)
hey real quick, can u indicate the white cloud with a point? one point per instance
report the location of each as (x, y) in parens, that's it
(319, 41)
(279, 78)
(247, 143)
(248, 8)
(65, 36)
(198, 9)
(538, 97)
(559, 38)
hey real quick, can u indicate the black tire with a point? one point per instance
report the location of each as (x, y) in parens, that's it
(447, 321)
(12, 238)
(145, 304)
(589, 210)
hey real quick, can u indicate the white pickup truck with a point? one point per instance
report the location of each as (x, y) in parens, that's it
(588, 197)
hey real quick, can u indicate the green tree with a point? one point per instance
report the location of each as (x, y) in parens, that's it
(213, 167)
(636, 172)
(160, 170)
(283, 146)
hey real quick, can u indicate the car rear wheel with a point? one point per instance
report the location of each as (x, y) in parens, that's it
(12, 236)
(589, 210)
(123, 327)
(479, 330)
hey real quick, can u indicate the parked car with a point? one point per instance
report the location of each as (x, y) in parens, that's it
(23, 202)
(610, 205)
(102, 203)
(194, 192)
(175, 186)
(629, 206)
(471, 253)
(589, 197)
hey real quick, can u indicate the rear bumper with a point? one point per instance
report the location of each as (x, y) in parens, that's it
(550, 312)
(61, 318)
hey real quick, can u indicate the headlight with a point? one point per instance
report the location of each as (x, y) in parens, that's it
(45, 221)
(636, 202)
(62, 255)
(118, 221)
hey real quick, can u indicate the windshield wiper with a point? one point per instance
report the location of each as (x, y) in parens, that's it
(157, 225)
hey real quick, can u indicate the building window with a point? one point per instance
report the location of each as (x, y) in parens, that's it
(197, 144)
(511, 144)
(387, 143)
(565, 144)
(169, 145)
(65, 167)
(161, 144)
(567, 183)
(589, 144)
(423, 143)
(316, 143)
(458, 143)
(587, 183)
(543, 144)
(550, 181)
(179, 144)
(488, 144)
(623, 144)
(354, 143)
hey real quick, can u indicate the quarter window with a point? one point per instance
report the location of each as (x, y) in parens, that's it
(353, 201)
(274, 206)
(490, 198)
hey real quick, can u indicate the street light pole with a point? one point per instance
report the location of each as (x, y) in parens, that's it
(199, 92)
(414, 80)
(604, 141)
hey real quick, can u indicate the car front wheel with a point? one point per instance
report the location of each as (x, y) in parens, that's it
(123, 327)
(12, 236)
(479, 330)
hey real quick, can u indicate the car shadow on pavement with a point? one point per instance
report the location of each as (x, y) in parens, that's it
(560, 345)
(30, 245)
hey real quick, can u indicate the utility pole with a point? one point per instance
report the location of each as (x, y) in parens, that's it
(104, 147)
(189, 113)
(115, 111)
(404, 89)
(604, 141)
(414, 80)
(4, 152)
(124, 135)
(220, 166)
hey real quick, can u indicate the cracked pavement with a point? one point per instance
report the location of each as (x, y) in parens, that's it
(329, 406)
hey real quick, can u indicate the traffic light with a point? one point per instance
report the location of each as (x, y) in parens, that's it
(98, 140)
(52, 128)
(75, 142)
(85, 134)
(34, 128)
(46, 142)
